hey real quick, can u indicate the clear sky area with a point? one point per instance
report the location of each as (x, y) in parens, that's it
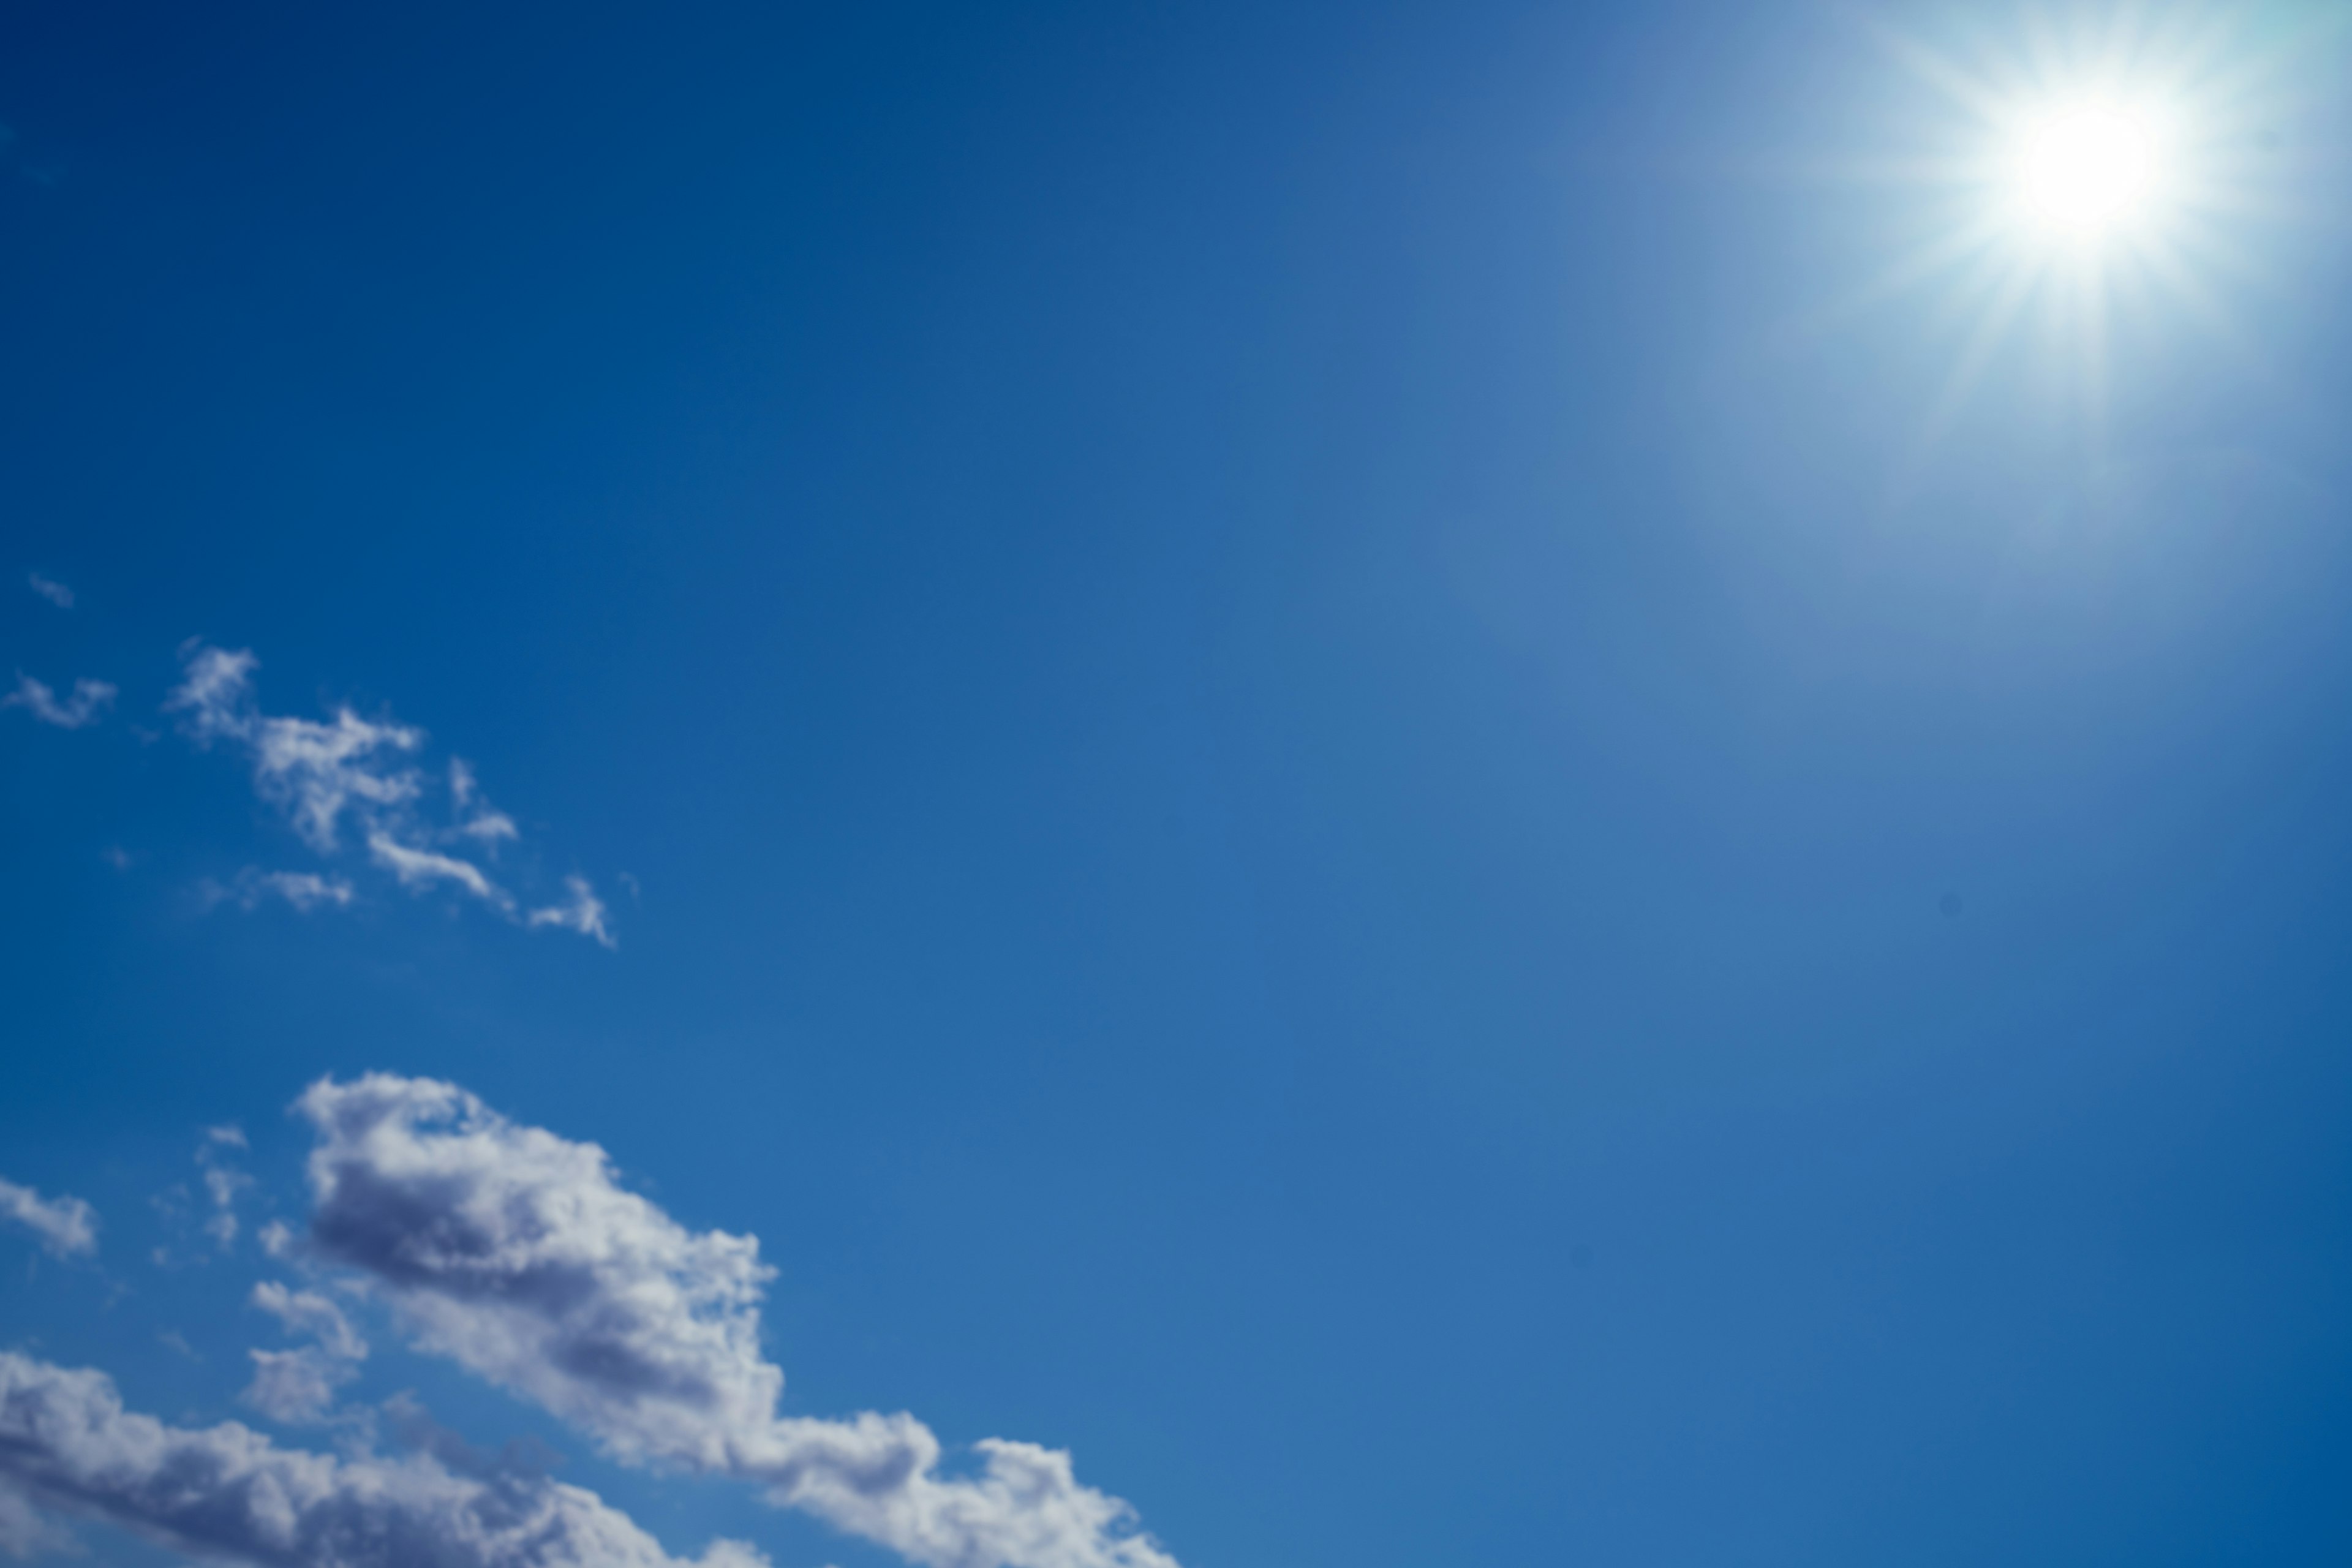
(1273, 786)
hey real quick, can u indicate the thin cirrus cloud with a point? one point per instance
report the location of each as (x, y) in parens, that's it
(583, 911)
(86, 706)
(351, 774)
(304, 890)
(512, 1251)
(418, 870)
(68, 1446)
(66, 1227)
(49, 588)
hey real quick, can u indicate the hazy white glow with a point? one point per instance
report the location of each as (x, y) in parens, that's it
(2090, 168)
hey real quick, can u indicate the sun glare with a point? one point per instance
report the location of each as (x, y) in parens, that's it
(2101, 173)
(2087, 170)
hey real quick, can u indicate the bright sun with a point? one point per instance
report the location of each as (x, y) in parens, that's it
(2087, 170)
(2103, 176)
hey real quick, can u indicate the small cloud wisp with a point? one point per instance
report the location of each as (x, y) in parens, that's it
(67, 1227)
(348, 773)
(87, 706)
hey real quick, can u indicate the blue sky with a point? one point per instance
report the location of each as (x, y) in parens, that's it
(1461, 783)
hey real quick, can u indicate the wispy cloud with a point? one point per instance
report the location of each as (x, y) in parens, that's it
(67, 1443)
(67, 1226)
(514, 1252)
(348, 772)
(225, 1183)
(482, 821)
(305, 890)
(49, 588)
(583, 911)
(90, 700)
(312, 771)
(420, 868)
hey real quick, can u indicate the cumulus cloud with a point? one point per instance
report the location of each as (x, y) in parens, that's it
(49, 588)
(297, 1387)
(350, 772)
(300, 1386)
(89, 701)
(228, 1492)
(67, 1226)
(583, 911)
(514, 1252)
(24, 1532)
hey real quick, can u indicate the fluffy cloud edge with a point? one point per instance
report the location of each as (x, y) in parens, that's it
(66, 1227)
(68, 1446)
(515, 1253)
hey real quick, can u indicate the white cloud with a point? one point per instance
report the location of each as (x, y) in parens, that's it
(90, 700)
(303, 890)
(222, 1225)
(312, 771)
(65, 1225)
(482, 821)
(49, 588)
(223, 1181)
(585, 912)
(513, 1252)
(226, 1491)
(315, 770)
(297, 1387)
(361, 772)
(216, 692)
(420, 868)
(309, 1313)
(25, 1534)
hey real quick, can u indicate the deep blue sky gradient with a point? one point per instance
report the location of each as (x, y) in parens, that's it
(1334, 798)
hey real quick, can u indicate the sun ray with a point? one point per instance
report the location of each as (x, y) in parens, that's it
(1928, 264)
(2109, 167)
(2012, 293)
